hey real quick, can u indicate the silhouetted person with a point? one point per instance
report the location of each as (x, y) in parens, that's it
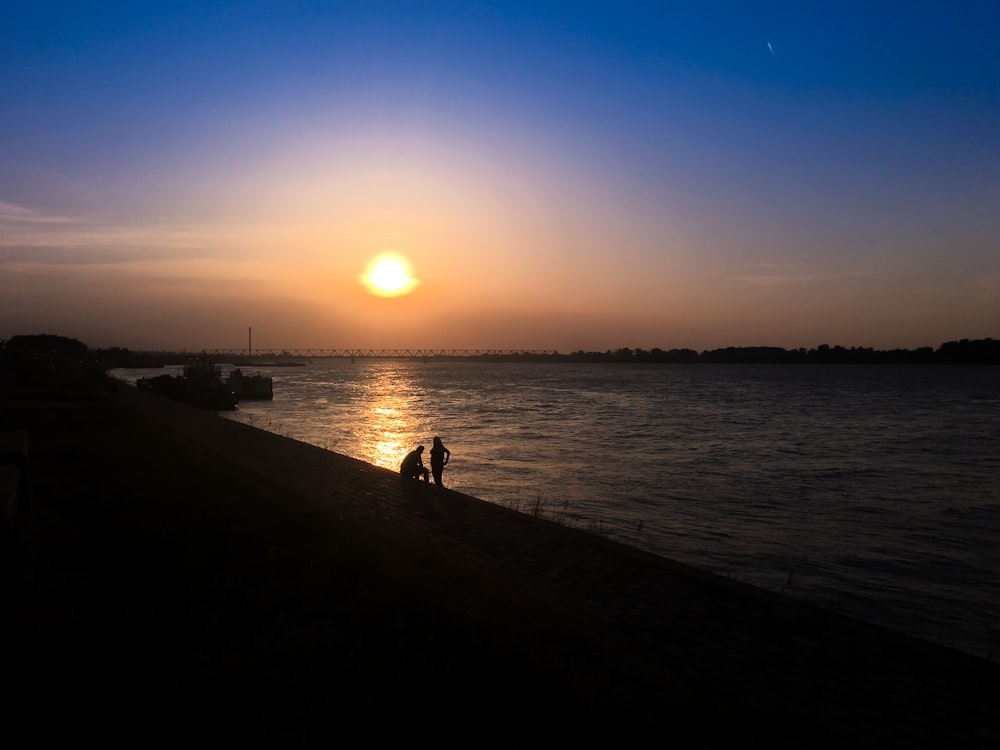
(413, 465)
(439, 459)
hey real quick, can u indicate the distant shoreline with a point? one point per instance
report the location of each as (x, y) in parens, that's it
(963, 352)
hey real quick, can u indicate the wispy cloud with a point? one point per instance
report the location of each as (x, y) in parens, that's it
(12, 213)
(777, 279)
(91, 255)
(789, 279)
(33, 237)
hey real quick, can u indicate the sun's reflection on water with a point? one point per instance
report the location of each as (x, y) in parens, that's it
(386, 426)
(386, 429)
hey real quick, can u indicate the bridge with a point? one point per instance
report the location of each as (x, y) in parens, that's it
(380, 353)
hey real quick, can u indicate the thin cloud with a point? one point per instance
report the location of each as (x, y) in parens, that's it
(210, 284)
(90, 255)
(778, 279)
(10, 212)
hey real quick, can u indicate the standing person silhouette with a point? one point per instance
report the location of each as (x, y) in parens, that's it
(439, 459)
(413, 465)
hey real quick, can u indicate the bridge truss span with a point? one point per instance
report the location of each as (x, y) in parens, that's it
(381, 353)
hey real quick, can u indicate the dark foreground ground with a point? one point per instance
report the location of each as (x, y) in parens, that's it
(177, 577)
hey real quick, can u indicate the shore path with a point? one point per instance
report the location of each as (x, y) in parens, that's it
(795, 674)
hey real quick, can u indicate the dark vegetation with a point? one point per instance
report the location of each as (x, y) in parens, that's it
(964, 352)
(32, 352)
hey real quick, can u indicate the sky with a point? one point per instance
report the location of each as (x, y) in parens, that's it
(568, 176)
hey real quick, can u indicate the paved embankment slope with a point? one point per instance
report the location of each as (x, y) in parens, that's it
(706, 649)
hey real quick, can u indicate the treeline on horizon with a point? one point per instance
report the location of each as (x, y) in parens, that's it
(966, 351)
(962, 352)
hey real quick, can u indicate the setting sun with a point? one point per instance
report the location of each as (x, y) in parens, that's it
(389, 275)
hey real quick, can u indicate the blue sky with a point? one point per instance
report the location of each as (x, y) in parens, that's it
(585, 175)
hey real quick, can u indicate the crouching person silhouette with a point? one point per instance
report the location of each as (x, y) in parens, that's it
(413, 465)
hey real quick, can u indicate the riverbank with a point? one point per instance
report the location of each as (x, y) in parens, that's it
(180, 576)
(161, 591)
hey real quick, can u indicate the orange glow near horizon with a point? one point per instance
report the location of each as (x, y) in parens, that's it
(389, 275)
